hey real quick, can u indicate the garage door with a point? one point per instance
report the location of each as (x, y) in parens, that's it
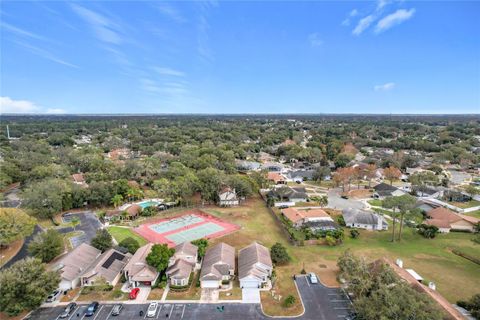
(249, 284)
(209, 284)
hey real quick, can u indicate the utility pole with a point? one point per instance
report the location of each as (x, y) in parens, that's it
(8, 133)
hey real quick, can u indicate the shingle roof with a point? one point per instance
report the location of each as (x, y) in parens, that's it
(217, 262)
(108, 265)
(186, 248)
(77, 261)
(181, 269)
(249, 259)
(353, 215)
(137, 267)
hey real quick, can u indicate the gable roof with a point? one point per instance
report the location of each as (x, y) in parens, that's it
(77, 261)
(353, 215)
(275, 176)
(217, 262)
(181, 269)
(186, 248)
(448, 217)
(384, 187)
(250, 260)
(295, 215)
(138, 268)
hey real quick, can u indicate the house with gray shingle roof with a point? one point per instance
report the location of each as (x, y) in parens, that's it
(218, 265)
(138, 271)
(356, 218)
(254, 266)
(106, 268)
(182, 264)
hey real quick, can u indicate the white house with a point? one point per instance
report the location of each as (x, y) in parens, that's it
(254, 266)
(355, 218)
(218, 266)
(182, 264)
(227, 197)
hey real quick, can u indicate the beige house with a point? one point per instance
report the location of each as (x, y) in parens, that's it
(254, 266)
(182, 264)
(446, 220)
(227, 197)
(137, 271)
(218, 265)
(72, 266)
(107, 268)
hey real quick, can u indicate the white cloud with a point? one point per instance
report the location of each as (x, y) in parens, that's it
(393, 19)
(384, 87)
(104, 28)
(170, 12)
(314, 39)
(21, 32)
(363, 24)
(169, 72)
(55, 111)
(46, 54)
(8, 105)
(353, 13)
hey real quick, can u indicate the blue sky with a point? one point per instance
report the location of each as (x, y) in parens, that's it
(240, 57)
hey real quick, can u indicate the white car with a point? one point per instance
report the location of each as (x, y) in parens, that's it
(313, 278)
(152, 309)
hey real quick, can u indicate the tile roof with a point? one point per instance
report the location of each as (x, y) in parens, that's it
(295, 215)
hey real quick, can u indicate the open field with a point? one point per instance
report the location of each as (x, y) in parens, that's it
(475, 214)
(120, 233)
(455, 277)
(464, 205)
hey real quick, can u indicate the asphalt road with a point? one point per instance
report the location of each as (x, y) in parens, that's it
(321, 303)
(23, 252)
(89, 224)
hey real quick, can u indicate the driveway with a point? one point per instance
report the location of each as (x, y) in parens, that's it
(209, 295)
(337, 202)
(250, 295)
(23, 252)
(89, 224)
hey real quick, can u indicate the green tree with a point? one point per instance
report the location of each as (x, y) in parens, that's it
(202, 245)
(44, 198)
(75, 222)
(354, 233)
(289, 301)
(14, 224)
(472, 191)
(342, 160)
(117, 200)
(130, 244)
(210, 180)
(427, 231)
(102, 240)
(321, 173)
(25, 285)
(46, 245)
(159, 256)
(279, 254)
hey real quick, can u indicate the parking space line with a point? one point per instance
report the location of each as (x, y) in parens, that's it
(307, 281)
(183, 310)
(99, 311)
(343, 300)
(171, 310)
(74, 312)
(160, 310)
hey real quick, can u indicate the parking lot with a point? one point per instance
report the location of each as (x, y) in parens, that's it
(89, 224)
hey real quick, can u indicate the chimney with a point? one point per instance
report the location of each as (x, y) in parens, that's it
(399, 263)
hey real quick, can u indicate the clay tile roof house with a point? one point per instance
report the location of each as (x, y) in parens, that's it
(119, 154)
(137, 271)
(182, 264)
(227, 197)
(276, 178)
(446, 220)
(299, 217)
(79, 178)
(218, 265)
(73, 265)
(254, 266)
(107, 267)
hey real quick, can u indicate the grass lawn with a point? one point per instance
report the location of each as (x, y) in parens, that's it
(456, 278)
(121, 233)
(464, 205)
(375, 202)
(193, 293)
(99, 295)
(156, 294)
(475, 214)
(234, 294)
(9, 252)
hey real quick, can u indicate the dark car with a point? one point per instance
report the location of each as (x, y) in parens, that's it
(68, 310)
(116, 309)
(92, 308)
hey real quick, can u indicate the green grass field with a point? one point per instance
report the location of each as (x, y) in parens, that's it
(120, 233)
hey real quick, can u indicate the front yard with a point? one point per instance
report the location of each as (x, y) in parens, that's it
(233, 294)
(96, 294)
(192, 293)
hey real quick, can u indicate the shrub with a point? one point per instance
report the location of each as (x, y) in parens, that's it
(354, 233)
(289, 301)
(117, 293)
(130, 244)
(331, 241)
(279, 254)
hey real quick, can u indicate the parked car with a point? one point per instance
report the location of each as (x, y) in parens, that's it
(116, 309)
(68, 310)
(55, 294)
(152, 309)
(313, 278)
(134, 293)
(92, 308)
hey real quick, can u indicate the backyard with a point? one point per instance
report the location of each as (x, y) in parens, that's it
(455, 277)
(121, 233)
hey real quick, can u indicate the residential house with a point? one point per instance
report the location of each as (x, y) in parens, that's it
(218, 266)
(288, 195)
(244, 165)
(385, 190)
(316, 219)
(72, 266)
(227, 197)
(300, 175)
(182, 264)
(446, 220)
(107, 268)
(428, 192)
(127, 211)
(254, 266)
(276, 178)
(273, 166)
(119, 154)
(137, 271)
(356, 218)
(425, 206)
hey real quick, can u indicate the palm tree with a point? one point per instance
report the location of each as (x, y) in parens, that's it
(117, 200)
(75, 222)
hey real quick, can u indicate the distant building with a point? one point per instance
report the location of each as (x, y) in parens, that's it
(385, 190)
(276, 178)
(227, 197)
(79, 179)
(446, 220)
(300, 217)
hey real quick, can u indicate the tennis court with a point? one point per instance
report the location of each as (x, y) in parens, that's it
(191, 225)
